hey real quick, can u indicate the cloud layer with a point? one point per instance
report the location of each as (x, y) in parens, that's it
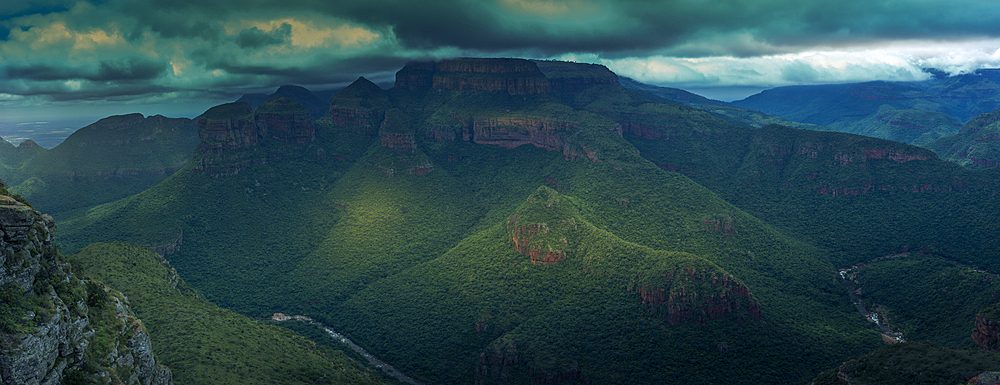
(148, 51)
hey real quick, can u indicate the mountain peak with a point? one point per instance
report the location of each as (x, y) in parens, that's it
(543, 227)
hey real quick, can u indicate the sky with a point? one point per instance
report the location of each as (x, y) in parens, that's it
(63, 62)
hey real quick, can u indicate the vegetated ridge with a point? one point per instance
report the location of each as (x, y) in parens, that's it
(410, 222)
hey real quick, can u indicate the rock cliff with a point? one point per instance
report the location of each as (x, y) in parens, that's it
(575, 77)
(395, 132)
(987, 329)
(227, 126)
(55, 327)
(512, 76)
(543, 227)
(284, 119)
(698, 295)
(360, 107)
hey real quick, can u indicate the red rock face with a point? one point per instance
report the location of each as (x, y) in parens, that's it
(514, 86)
(361, 121)
(397, 141)
(677, 302)
(286, 127)
(985, 333)
(226, 134)
(513, 76)
(416, 76)
(513, 132)
(525, 242)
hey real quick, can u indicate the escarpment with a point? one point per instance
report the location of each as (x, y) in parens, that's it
(395, 131)
(229, 133)
(226, 127)
(511, 76)
(987, 330)
(56, 327)
(286, 120)
(360, 107)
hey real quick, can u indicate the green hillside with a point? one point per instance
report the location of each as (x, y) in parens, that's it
(111, 159)
(512, 221)
(927, 297)
(204, 344)
(975, 146)
(398, 234)
(908, 112)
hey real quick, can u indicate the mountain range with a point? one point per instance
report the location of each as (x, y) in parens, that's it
(514, 221)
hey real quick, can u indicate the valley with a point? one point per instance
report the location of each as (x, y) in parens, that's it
(508, 221)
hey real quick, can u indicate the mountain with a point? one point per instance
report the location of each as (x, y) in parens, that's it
(230, 348)
(974, 146)
(727, 111)
(56, 325)
(514, 221)
(113, 158)
(464, 227)
(908, 112)
(315, 103)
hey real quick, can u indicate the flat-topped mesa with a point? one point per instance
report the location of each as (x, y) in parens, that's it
(285, 119)
(227, 126)
(360, 107)
(512, 76)
(396, 132)
(575, 77)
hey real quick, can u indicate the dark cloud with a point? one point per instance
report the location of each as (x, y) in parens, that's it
(255, 38)
(617, 28)
(129, 70)
(113, 71)
(211, 44)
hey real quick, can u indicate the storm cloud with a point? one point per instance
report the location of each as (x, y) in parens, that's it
(55, 50)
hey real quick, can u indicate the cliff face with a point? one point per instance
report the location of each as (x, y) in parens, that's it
(285, 119)
(226, 127)
(697, 296)
(48, 319)
(512, 76)
(360, 107)
(575, 77)
(395, 131)
(543, 227)
(987, 332)
(513, 132)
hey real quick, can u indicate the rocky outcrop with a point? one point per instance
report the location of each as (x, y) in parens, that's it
(513, 132)
(571, 77)
(395, 132)
(416, 76)
(511, 76)
(47, 322)
(131, 359)
(284, 119)
(987, 331)
(28, 144)
(360, 107)
(226, 127)
(527, 241)
(502, 363)
(543, 227)
(692, 295)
